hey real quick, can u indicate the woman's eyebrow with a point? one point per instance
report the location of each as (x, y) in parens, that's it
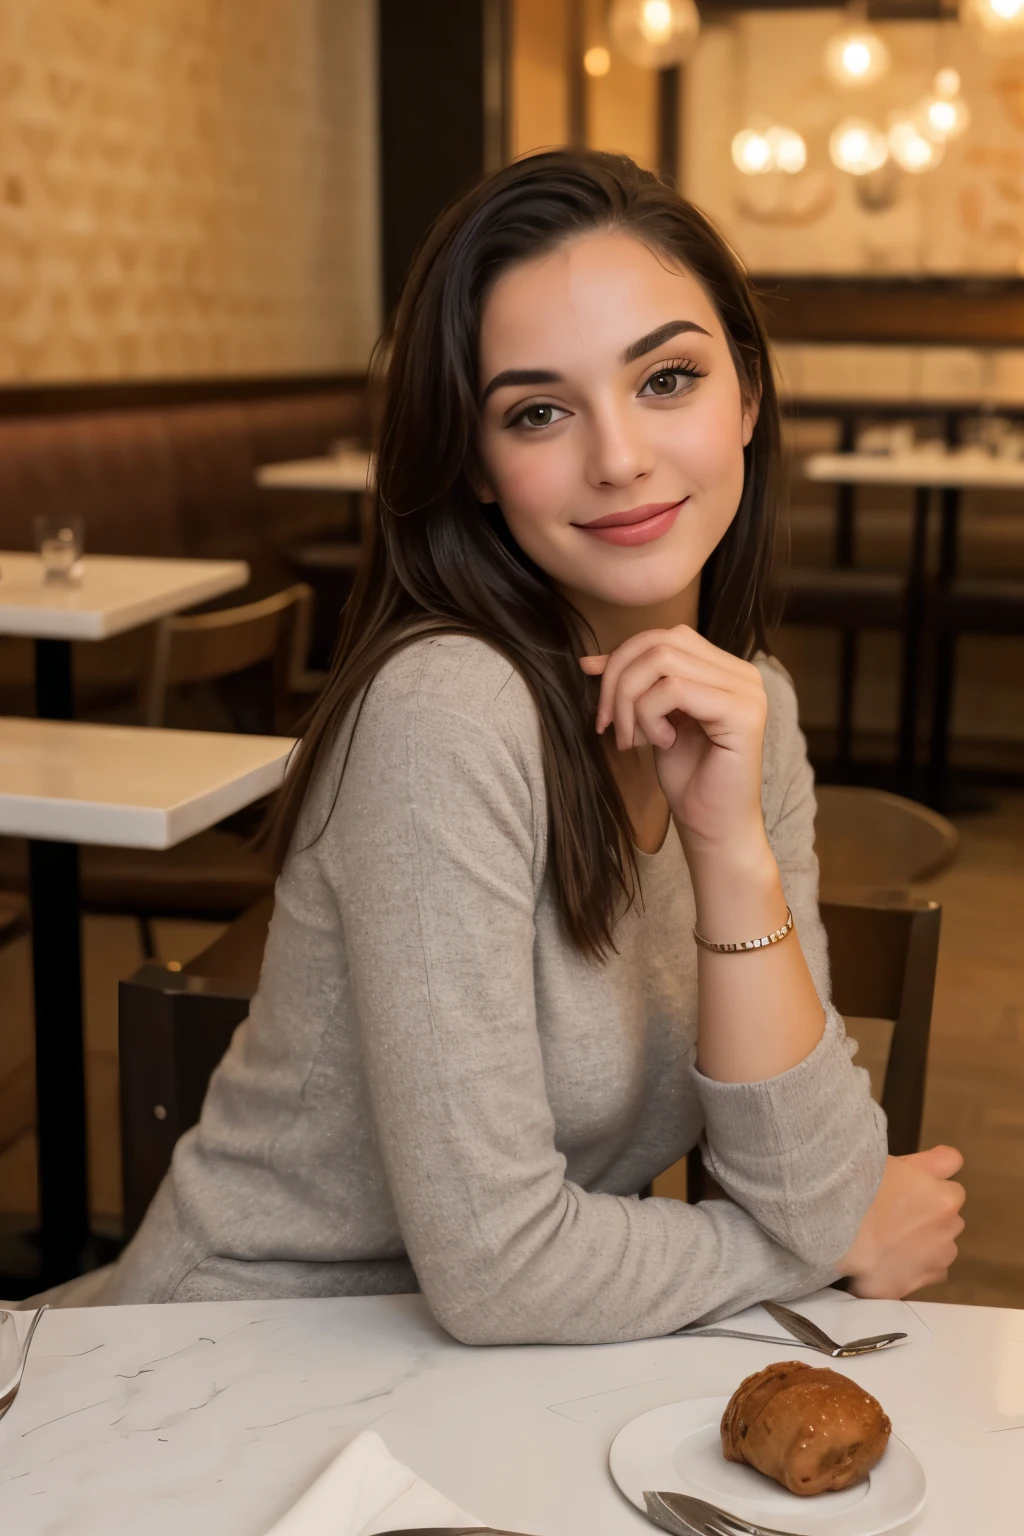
(659, 337)
(519, 376)
(513, 376)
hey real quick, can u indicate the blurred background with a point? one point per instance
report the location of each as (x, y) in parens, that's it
(206, 211)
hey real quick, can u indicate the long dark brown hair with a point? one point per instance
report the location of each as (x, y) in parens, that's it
(438, 561)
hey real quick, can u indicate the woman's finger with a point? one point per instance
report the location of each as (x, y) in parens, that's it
(711, 708)
(663, 661)
(681, 642)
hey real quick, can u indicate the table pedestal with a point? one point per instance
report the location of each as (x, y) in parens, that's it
(63, 1240)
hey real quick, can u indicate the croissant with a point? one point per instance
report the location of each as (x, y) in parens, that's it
(813, 1431)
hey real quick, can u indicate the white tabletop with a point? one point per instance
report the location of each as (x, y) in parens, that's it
(349, 471)
(128, 786)
(114, 593)
(212, 1418)
(967, 468)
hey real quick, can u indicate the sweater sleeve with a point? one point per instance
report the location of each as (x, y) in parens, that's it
(434, 852)
(803, 1152)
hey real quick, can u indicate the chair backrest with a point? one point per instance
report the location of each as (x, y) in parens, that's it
(883, 952)
(173, 1029)
(867, 837)
(200, 647)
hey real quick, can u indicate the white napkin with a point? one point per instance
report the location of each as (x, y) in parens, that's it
(365, 1491)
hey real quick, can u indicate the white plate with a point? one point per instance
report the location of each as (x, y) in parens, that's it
(678, 1449)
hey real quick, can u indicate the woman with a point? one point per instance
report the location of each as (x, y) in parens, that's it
(543, 764)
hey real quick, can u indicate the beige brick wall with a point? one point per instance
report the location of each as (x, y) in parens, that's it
(187, 187)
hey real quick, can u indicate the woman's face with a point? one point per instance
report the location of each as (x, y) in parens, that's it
(612, 423)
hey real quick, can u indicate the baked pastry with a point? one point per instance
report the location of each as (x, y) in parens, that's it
(813, 1431)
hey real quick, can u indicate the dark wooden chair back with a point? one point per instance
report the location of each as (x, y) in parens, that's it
(883, 952)
(174, 1026)
(199, 647)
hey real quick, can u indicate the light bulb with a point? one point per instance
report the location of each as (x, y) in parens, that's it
(597, 62)
(789, 152)
(941, 118)
(911, 149)
(656, 21)
(656, 34)
(947, 83)
(858, 147)
(995, 23)
(857, 58)
(752, 152)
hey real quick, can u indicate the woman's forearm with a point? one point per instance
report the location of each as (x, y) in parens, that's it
(758, 1011)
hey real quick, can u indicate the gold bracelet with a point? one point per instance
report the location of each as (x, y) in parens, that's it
(732, 949)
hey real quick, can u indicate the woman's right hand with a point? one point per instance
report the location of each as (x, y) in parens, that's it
(908, 1236)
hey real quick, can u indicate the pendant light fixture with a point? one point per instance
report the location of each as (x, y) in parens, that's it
(857, 56)
(656, 34)
(858, 146)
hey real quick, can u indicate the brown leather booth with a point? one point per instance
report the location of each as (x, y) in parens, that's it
(174, 479)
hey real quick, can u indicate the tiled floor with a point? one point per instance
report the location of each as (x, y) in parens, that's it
(976, 1081)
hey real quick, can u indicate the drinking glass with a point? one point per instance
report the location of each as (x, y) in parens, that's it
(60, 541)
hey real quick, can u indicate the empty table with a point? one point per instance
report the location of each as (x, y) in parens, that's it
(349, 471)
(925, 470)
(64, 783)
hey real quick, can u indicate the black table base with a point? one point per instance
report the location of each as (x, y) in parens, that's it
(64, 1245)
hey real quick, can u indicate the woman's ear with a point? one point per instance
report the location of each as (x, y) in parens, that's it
(750, 415)
(480, 485)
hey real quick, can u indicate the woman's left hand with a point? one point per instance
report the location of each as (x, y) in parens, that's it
(703, 711)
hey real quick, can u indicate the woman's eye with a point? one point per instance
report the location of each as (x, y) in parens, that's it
(669, 381)
(536, 416)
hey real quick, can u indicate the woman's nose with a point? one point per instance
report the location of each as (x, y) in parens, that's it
(616, 455)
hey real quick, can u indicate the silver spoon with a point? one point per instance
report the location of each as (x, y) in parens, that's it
(803, 1330)
(9, 1389)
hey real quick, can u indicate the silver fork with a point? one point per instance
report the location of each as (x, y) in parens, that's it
(9, 1390)
(803, 1330)
(685, 1516)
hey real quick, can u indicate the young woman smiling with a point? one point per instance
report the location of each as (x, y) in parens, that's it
(553, 783)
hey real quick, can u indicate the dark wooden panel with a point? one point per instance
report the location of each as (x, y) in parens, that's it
(125, 394)
(432, 128)
(928, 311)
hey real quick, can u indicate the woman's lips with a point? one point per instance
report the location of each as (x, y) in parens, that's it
(640, 526)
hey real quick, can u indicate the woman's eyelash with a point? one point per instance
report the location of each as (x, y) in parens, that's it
(681, 365)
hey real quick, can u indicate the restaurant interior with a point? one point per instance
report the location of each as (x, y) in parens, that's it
(207, 210)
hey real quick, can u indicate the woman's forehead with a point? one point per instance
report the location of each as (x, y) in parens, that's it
(592, 293)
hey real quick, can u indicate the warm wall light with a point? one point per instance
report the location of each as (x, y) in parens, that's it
(993, 15)
(597, 62)
(789, 152)
(655, 34)
(858, 147)
(777, 149)
(751, 152)
(857, 58)
(941, 118)
(947, 83)
(911, 149)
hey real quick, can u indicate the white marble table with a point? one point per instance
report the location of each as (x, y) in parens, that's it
(128, 786)
(63, 783)
(348, 471)
(212, 1419)
(114, 593)
(964, 469)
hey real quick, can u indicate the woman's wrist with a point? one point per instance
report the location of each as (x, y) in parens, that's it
(737, 889)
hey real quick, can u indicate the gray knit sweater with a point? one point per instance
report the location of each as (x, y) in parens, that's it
(434, 1087)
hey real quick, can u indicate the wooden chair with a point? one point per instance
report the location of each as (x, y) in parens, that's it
(201, 647)
(883, 954)
(871, 839)
(214, 875)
